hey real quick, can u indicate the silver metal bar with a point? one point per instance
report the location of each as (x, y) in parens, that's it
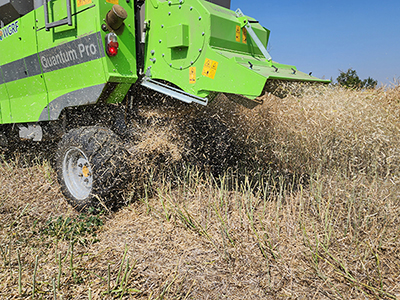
(46, 15)
(173, 92)
(66, 21)
(69, 12)
(254, 36)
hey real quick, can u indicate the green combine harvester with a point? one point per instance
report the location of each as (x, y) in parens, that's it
(58, 56)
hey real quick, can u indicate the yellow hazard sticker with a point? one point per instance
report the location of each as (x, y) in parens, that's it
(238, 33)
(83, 2)
(210, 68)
(112, 1)
(85, 171)
(192, 75)
(244, 35)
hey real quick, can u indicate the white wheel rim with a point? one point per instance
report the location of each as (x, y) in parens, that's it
(77, 173)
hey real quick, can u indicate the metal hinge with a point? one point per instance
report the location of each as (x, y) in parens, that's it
(171, 91)
(247, 24)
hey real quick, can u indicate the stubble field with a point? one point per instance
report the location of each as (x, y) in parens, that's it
(298, 198)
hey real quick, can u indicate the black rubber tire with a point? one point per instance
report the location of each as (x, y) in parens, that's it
(107, 169)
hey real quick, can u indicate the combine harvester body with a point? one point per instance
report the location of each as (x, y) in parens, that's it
(58, 54)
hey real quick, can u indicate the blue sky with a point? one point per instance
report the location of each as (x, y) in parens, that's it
(325, 36)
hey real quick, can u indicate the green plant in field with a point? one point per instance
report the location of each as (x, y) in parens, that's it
(121, 282)
(82, 229)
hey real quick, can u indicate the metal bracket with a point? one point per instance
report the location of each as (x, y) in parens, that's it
(32, 132)
(247, 24)
(66, 21)
(171, 91)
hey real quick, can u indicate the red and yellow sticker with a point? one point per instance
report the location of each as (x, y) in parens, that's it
(244, 35)
(237, 33)
(83, 2)
(85, 171)
(210, 68)
(192, 75)
(112, 1)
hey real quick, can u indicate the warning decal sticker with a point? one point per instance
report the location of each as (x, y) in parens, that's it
(83, 2)
(237, 33)
(244, 35)
(112, 1)
(210, 68)
(192, 75)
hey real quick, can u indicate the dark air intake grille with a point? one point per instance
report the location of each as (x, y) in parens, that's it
(224, 3)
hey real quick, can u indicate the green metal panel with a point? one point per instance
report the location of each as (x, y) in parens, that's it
(178, 36)
(5, 112)
(43, 71)
(3, 96)
(270, 70)
(198, 46)
(70, 55)
(221, 56)
(119, 92)
(57, 10)
(226, 32)
(21, 71)
(73, 57)
(121, 68)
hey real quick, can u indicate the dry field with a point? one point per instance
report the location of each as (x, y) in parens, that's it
(298, 198)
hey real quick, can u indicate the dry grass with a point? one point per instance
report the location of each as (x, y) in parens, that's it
(340, 129)
(306, 206)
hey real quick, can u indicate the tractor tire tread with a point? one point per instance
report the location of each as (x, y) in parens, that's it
(108, 160)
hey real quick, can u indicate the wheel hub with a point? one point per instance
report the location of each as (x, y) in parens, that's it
(85, 171)
(77, 173)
